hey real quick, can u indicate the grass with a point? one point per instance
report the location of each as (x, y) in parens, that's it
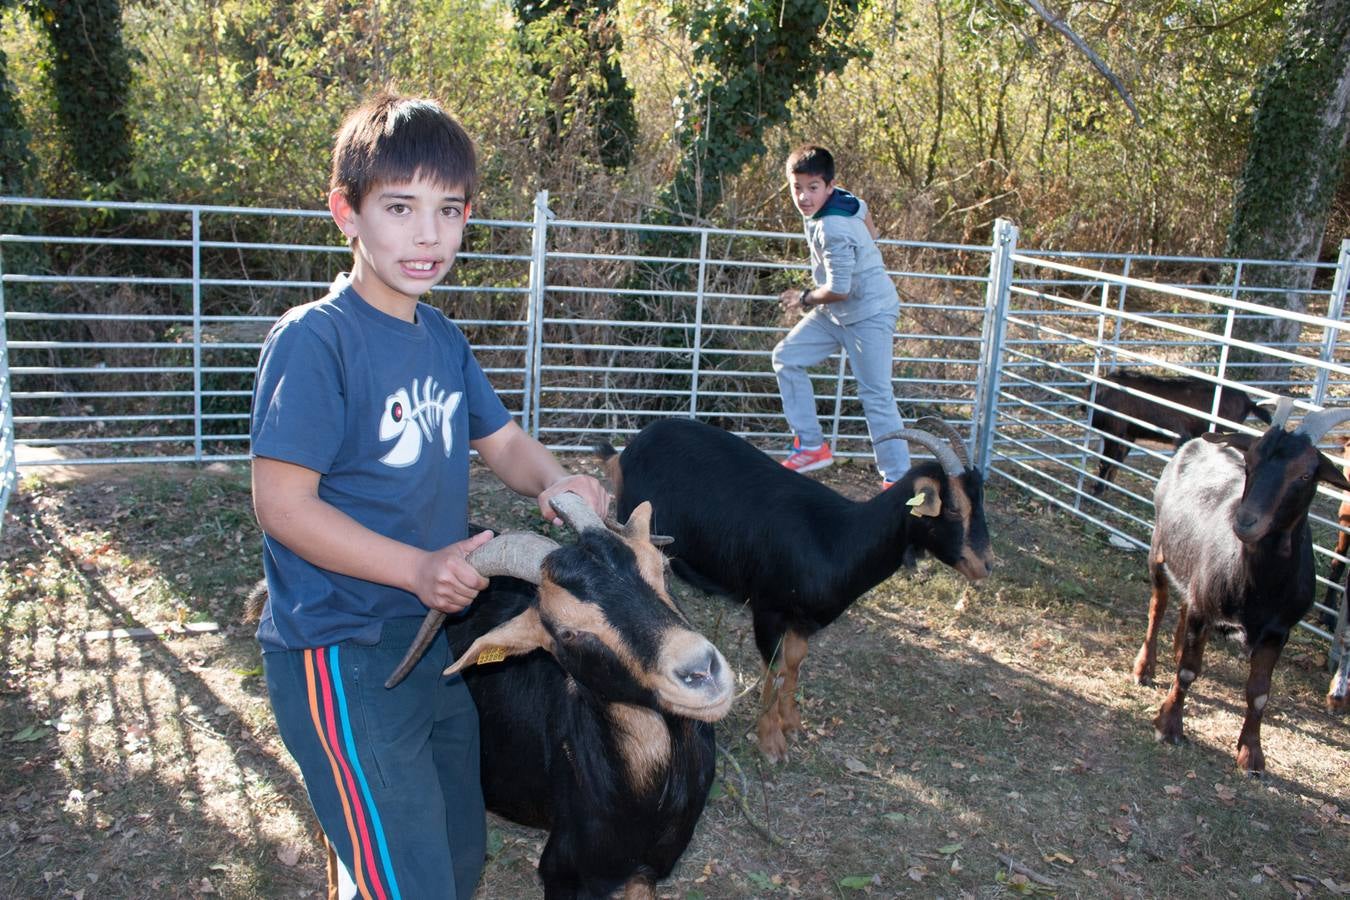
(956, 736)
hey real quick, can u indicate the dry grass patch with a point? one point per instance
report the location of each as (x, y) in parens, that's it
(950, 730)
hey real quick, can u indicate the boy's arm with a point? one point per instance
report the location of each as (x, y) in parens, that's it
(527, 467)
(287, 504)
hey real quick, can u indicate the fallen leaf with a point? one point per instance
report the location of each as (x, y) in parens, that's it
(855, 766)
(1225, 793)
(289, 855)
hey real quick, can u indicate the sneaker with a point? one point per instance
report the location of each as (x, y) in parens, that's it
(809, 460)
(887, 485)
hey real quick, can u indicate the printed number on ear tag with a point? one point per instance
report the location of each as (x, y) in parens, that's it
(491, 655)
(915, 502)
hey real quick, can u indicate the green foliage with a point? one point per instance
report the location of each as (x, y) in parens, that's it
(943, 114)
(90, 71)
(753, 59)
(1295, 154)
(574, 50)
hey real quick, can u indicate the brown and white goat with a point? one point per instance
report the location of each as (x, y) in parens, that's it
(595, 701)
(1126, 417)
(797, 551)
(1231, 536)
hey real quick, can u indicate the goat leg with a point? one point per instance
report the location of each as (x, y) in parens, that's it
(1338, 694)
(1191, 635)
(1264, 656)
(639, 887)
(769, 730)
(794, 651)
(1146, 660)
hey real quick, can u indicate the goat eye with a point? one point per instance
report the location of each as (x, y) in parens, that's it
(567, 635)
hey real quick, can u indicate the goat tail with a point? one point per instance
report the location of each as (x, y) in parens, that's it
(605, 450)
(1261, 413)
(255, 601)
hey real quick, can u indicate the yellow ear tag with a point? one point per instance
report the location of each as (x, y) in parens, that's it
(491, 655)
(915, 502)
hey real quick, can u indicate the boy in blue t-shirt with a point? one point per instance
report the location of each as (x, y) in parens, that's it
(365, 407)
(852, 304)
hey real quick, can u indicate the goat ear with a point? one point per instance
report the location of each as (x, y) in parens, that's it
(511, 638)
(1330, 473)
(927, 499)
(1236, 440)
(639, 524)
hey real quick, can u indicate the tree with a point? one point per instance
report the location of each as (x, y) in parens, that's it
(91, 75)
(1293, 164)
(754, 58)
(544, 28)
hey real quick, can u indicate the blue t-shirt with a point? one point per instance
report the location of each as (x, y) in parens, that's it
(383, 410)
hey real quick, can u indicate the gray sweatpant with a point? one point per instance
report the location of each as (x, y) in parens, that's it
(869, 345)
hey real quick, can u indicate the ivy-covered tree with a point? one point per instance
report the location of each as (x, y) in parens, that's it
(573, 79)
(16, 159)
(90, 71)
(1294, 162)
(753, 59)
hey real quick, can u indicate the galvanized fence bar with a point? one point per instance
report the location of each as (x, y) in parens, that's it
(8, 454)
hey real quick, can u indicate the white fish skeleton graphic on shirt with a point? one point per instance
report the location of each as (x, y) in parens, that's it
(412, 416)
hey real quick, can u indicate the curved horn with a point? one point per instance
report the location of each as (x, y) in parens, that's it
(950, 464)
(941, 426)
(1283, 407)
(518, 555)
(576, 512)
(1316, 424)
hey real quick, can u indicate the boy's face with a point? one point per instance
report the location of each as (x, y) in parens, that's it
(809, 192)
(405, 239)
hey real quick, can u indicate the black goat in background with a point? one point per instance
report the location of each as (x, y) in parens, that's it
(1183, 390)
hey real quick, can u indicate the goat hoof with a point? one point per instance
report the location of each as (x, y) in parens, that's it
(1143, 669)
(1168, 731)
(1337, 706)
(1252, 761)
(774, 751)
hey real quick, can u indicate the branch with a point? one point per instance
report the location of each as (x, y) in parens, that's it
(1059, 25)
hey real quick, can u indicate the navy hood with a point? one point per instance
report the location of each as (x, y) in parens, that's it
(841, 203)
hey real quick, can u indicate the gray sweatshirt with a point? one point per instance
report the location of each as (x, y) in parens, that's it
(845, 259)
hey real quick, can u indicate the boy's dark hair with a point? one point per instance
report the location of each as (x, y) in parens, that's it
(391, 138)
(810, 159)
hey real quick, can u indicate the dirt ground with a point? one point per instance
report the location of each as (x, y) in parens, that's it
(960, 741)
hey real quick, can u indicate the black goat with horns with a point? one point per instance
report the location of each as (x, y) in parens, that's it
(605, 738)
(1231, 536)
(799, 552)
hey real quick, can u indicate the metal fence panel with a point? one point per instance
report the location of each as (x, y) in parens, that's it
(142, 347)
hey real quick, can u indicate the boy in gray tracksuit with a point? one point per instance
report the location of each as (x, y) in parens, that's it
(853, 304)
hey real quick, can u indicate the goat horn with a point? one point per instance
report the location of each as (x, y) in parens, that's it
(576, 512)
(1283, 407)
(518, 555)
(1316, 424)
(941, 426)
(944, 454)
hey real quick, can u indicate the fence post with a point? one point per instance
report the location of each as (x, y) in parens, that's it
(996, 297)
(196, 334)
(1335, 309)
(697, 359)
(8, 458)
(534, 316)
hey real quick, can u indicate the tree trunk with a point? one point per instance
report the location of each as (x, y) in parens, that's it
(1291, 173)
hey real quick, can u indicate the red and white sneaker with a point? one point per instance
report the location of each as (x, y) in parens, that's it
(886, 485)
(800, 460)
